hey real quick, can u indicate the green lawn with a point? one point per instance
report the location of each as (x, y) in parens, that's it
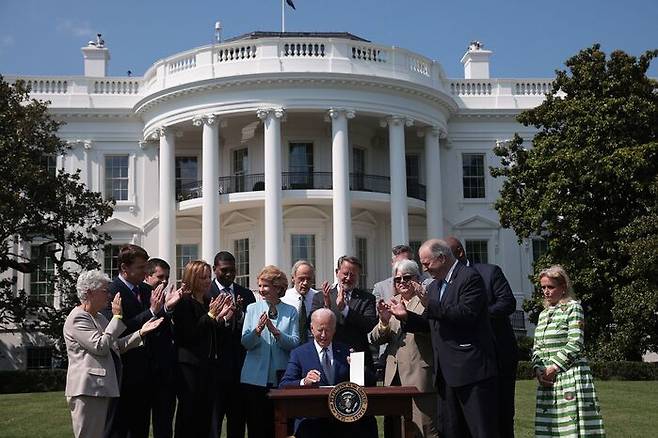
(629, 411)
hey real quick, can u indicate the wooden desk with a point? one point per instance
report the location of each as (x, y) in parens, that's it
(313, 402)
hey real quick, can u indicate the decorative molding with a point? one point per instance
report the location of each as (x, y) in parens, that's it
(334, 113)
(86, 144)
(263, 113)
(396, 120)
(206, 119)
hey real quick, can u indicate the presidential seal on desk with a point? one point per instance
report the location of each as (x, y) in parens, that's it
(348, 402)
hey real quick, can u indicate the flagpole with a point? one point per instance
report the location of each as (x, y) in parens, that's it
(283, 16)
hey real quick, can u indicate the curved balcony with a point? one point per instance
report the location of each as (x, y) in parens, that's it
(255, 182)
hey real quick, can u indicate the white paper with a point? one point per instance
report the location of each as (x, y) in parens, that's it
(357, 366)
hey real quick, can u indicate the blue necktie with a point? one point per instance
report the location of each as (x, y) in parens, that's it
(326, 366)
(444, 284)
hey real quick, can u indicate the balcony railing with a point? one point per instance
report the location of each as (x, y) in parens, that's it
(300, 181)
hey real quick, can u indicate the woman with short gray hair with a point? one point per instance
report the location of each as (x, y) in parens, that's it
(93, 349)
(409, 356)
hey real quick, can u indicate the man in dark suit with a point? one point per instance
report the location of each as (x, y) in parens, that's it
(231, 351)
(129, 415)
(161, 353)
(501, 304)
(322, 362)
(355, 309)
(465, 359)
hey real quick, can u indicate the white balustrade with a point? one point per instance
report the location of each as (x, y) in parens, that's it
(47, 86)
(181, 64)
(115, 86)
(236, 53)
(302, 49)
(419, 65)
(369, 53)
(469, 87)
(532, 88)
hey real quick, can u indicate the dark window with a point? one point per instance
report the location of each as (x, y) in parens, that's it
(358, 168)
(477, 251)
(301, 165)
(473, 175)
(186, 174)
(49, 163)
(362, 255)
(39, 357)
(241, 252)
(539, 248)
(116, 177)
(415, 246)
(184, 254)
(302, 248)
(110, 256)
(41, 279)
(240, 168)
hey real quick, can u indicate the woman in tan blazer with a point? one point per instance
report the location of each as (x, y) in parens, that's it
(93, 347)
(409, 356)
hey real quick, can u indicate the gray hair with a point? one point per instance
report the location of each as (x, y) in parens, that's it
(406, 267)
(90, 281)
(323, 311)
(300, 263)
(438, 248)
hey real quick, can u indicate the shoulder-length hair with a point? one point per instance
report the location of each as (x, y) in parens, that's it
(192, 274)
(275, 276)
(559, 274)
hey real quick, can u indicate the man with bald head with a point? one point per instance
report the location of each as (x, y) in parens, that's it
(501, 304)
(464, 357)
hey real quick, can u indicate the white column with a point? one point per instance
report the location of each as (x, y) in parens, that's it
(167, 220)
(398, 171)
(433, 202)
(271, 118)
(340, 179)
(209, 186)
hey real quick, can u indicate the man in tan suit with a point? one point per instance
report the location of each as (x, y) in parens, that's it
(409, 356)
(93, 350)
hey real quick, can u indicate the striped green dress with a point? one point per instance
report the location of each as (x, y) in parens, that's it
(570, 407)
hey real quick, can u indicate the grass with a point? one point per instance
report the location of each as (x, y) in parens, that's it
(629, 411)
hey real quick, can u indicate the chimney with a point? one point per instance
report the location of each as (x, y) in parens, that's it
(476, 61)
(96, 56)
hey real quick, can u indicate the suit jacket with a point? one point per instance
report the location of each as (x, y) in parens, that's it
(197, 334)
(361, 318)
(231, 351)
(459, 324)
(383, 290)
(305, 358)
(264, 352)
(160, 346)
(89, 345)
(408, 354)
(501, 304)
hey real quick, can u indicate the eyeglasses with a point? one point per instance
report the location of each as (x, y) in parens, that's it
(403, 279)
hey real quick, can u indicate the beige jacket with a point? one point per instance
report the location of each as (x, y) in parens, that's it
(89, 341)
(408, 354)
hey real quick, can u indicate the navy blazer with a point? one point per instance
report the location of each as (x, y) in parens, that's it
(305, 358)
(231, 352)
(459, 324)
(501, 305)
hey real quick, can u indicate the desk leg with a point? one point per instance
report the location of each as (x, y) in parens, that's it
(280, 422)
(409, 427)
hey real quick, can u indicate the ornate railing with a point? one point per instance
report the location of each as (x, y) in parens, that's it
(300, 181)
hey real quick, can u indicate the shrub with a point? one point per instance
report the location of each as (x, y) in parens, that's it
(32, 381)
(622, 370)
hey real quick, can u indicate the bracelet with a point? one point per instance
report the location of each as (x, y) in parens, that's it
(119, 316)
(211, 315)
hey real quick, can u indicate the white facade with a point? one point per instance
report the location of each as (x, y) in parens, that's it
(324, 122)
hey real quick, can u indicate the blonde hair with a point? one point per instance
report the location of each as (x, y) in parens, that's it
(558, 273)
(275, 276)
(193, 272)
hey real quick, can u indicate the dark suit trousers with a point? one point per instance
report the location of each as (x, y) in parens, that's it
(228, 403)
(506, 388)
(129, 415)
(163, 404)
(259, 411)
(195, 400)
(469, 411)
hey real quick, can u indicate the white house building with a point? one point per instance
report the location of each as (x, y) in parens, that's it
(281, 146)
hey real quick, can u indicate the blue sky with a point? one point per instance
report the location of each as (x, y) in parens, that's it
(529, 38)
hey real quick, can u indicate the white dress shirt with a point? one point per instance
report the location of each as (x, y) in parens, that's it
(292, 297)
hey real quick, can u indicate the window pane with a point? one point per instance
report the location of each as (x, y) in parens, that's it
(110, 264)
(476, 251)
(240, 168)
(473, 175)
(184, 254)
(41, 280)
(539, 248)
(116, 177)
(186, 173)
(358, 168)
(362, 255)
(415, 246)
(303, 247)
(39, 357)
(241, 252)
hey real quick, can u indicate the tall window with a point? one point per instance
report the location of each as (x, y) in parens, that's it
(185, 253)
(473, 175)
(539, 248)
(39, 357)
(50, 164)
(302, 247)
(415, 246)
(186, 174)
(301, 165)
(358, 168)
(240, 168)
(110, 260)
(41, 279)
(241, 252)
(116, 177)
(477, 251)
(361, 245)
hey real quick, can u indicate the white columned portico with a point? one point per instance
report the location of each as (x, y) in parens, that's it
(340, 178)
(271, 118)
(167, 219)
(434, 201)
(398, 171)
(210, 237)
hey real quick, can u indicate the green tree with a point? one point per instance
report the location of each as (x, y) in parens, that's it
(44, 207)
(588, 185)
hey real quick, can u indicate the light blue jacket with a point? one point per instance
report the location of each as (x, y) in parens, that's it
(266, 355)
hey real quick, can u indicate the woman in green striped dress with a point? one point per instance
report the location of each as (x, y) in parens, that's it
(567, 405)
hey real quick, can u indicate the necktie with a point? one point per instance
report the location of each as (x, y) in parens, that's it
(326, 366)
(444, 284)
(302, 321)
(137, 295)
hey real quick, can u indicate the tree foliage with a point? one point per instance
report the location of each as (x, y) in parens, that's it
(589, 187)
(44, 207)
